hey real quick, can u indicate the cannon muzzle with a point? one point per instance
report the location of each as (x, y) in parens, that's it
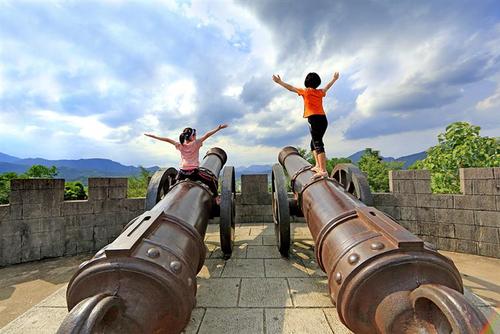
(381, 277)
(145, 280)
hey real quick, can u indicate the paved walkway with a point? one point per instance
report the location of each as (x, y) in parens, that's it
(256, 291)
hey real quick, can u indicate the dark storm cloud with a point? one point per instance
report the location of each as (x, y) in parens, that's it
(258, 92)
(459, 37)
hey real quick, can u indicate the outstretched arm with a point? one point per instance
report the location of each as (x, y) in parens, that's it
(277, 79)
(168, 140)
(212, 132)
(330, 84)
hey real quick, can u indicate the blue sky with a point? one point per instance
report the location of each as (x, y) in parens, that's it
(83, 79)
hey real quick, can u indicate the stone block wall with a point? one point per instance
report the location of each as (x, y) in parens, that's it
(468, 222)
(253, 204)
(254, 201)
(38, 223)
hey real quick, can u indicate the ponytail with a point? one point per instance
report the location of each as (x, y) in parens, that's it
(185, 135)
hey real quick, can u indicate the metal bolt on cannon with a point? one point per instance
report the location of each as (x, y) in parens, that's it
(145, 280)
(382, 278)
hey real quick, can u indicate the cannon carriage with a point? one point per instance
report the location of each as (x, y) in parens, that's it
(381, 278)
(145, 280)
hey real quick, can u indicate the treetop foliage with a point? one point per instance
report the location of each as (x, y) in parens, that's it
(72, 190)
(138, 185)
(376, 170)
(460, 146)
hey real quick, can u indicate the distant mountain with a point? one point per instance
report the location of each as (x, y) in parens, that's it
(254, 169)
(356, 156)
(81, 169)
(71, 170)
(407, 159)
(412, 158)
(9, 167)
(7, 158)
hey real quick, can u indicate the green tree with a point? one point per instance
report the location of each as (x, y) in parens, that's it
(40, 171)
(5, 186)
(331, 163)
(460, 146)
(74, 191)
(138, 185)
(306, 154)
(377, 171)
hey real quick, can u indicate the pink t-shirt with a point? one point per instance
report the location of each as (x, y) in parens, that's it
(189, 154)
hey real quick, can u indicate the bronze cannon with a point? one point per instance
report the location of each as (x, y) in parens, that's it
(145, 280)
(382, 278)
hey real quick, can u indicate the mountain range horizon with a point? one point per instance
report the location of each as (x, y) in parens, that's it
(81, 169)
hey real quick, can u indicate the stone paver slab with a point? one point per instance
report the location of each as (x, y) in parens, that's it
(244, 268)
(285, 268)
(263, 252)
(38, 320)
(57, 299)
(248, 239)
(212, 268)
(218, 292)
(303, 250)
(333, 319)
(212, 238)
(297, 321)
(267, 229)
(269, 240)
(242, 231)
(212, 228)
(232, 320)
(264, 292)
(310, 292)
(314, 268)
(239, 252)
(194, 323)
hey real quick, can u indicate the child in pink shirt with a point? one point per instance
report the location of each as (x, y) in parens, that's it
(189, 147)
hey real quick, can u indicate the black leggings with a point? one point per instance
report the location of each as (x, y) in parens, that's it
(197, 175)
(317, 127)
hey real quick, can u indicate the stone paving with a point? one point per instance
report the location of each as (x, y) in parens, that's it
(256, 291)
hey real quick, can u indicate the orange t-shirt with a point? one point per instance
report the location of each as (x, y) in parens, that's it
(313, 101)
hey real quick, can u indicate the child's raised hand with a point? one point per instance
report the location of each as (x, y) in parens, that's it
(276, 78)
(222, 126)
(148, 135)
(336, 75)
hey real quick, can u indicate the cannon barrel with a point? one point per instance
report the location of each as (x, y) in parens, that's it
(381, 277)
(145, 280)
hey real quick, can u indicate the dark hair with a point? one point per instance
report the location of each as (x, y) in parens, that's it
(312, 80)
(186, 134)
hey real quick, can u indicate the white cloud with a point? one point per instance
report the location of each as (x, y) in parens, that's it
(232, 91)
(103, 73)
(89, 127)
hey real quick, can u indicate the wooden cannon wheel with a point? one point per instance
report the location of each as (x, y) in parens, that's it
(227, 211)
(160, 184)
(353, 181)
(281, 211)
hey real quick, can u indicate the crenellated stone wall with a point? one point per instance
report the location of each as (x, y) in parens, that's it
(38, 223)
(468, 222)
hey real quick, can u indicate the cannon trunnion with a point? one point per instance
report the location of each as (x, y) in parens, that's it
(382, 278)
(145, 280)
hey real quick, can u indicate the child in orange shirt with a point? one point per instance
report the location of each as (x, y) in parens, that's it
(313, 111)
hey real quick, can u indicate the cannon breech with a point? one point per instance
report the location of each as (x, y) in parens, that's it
(381, 277)
(145, 280)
